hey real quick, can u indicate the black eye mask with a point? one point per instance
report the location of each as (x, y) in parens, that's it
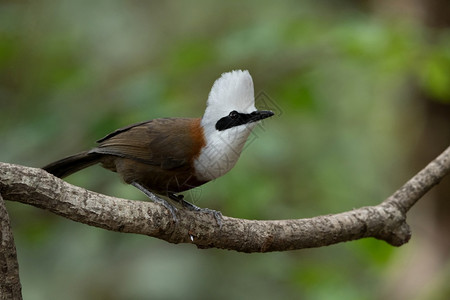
(235, 119)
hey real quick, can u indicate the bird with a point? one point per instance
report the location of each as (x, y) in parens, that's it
(167, 156)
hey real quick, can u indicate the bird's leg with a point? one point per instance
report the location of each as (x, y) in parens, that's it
(180, 199)
(184, 203)
(156, 199)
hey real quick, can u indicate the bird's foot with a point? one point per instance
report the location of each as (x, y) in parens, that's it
(192, 207)
(172, 209)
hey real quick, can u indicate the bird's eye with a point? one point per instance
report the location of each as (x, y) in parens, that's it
(234, 115)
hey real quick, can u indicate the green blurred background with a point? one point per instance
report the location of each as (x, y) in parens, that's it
(362, 95)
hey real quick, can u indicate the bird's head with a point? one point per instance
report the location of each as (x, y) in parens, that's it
(229, 118)
(231, 104)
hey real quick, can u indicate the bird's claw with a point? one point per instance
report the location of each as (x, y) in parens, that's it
(192, 207)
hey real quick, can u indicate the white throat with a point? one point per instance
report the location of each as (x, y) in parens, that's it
(221, 152)
(232, 91)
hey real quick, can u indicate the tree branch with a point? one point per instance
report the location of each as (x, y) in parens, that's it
(386, 221)
(10, 287)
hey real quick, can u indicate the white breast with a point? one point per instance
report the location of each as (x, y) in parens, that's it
(221, 152)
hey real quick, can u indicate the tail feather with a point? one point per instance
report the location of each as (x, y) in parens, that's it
(71, 164)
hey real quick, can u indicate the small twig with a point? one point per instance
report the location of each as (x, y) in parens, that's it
(385, 221)
(421, 183)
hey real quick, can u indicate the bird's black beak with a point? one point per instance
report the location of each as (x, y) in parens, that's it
(260, 115)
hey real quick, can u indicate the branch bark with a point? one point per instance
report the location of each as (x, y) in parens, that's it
(386, 221)
(10, 287)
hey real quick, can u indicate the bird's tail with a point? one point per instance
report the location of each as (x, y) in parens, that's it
(71, 164)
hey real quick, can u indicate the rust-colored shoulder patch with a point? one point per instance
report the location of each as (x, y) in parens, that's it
(198, 136)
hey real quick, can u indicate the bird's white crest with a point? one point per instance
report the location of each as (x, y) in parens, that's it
(232, 91)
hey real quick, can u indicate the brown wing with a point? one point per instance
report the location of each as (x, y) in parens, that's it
(166, 143)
